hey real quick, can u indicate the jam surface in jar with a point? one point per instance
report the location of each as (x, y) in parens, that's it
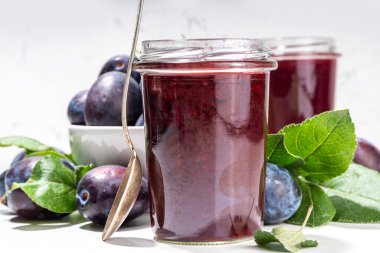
(206, 153)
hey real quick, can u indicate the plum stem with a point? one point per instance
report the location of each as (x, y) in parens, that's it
(307, 217)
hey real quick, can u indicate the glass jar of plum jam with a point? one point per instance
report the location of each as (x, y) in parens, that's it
(304, 83)
(205, 107)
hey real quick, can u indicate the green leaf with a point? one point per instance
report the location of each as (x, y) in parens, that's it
(326, 143)
(51, 186)
(51, 169)
(52, 152)
(81, 170)
(264, 237)
(56, 197)
(291, 240)
(71, 158)
(323, 211)
(355, 195)
(309, 244)
(29, 144)
(277, 153)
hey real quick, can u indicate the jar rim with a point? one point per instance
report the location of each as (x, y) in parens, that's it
(212, 49)
(205, 42)
(302, 44)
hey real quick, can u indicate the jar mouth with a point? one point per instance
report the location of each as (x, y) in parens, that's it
(319, 46)
(197, 50)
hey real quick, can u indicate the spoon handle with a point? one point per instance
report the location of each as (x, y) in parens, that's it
(128, 78)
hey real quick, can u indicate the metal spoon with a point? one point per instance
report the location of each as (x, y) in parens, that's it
(131, 184)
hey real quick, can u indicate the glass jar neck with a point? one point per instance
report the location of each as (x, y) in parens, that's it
(205, 56)
(301, 47)
(199, 50)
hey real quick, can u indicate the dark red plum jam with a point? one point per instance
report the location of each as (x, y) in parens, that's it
(205, 127)
(206, 155)
(301, 88)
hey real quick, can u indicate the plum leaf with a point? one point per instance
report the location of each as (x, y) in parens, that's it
(355, 196)
(29, 144)
(52, 152)
(277, 153)
(312, 194)
(56, 197)
(51, 185)
(81, 170)
(326, 143)
(290, 240)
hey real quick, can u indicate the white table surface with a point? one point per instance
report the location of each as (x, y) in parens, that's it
(74, 234)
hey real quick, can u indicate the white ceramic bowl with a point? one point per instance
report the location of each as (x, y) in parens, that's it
(105, 145)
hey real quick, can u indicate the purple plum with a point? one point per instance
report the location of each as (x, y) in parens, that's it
(96, 192)
(75, 111)
(17, 200)
(367, 154)
(104, 101)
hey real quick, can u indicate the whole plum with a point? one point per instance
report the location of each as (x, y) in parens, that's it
(282, 195)
(75, 110)
(367, 154)
(103, 103)
(17, 200)
(119, 63)
(97, 190)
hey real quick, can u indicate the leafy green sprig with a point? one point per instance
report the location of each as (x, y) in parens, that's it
(319, 153)
(51, 185)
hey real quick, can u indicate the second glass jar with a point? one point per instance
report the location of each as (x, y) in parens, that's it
(304, 83)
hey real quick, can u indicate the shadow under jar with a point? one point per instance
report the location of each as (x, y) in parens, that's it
(304, 83)
(205, 107)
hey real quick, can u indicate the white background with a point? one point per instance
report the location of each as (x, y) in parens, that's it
(49, 50)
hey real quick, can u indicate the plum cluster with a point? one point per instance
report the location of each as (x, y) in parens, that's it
(96, 191)
(20, 170)
(101, 104)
